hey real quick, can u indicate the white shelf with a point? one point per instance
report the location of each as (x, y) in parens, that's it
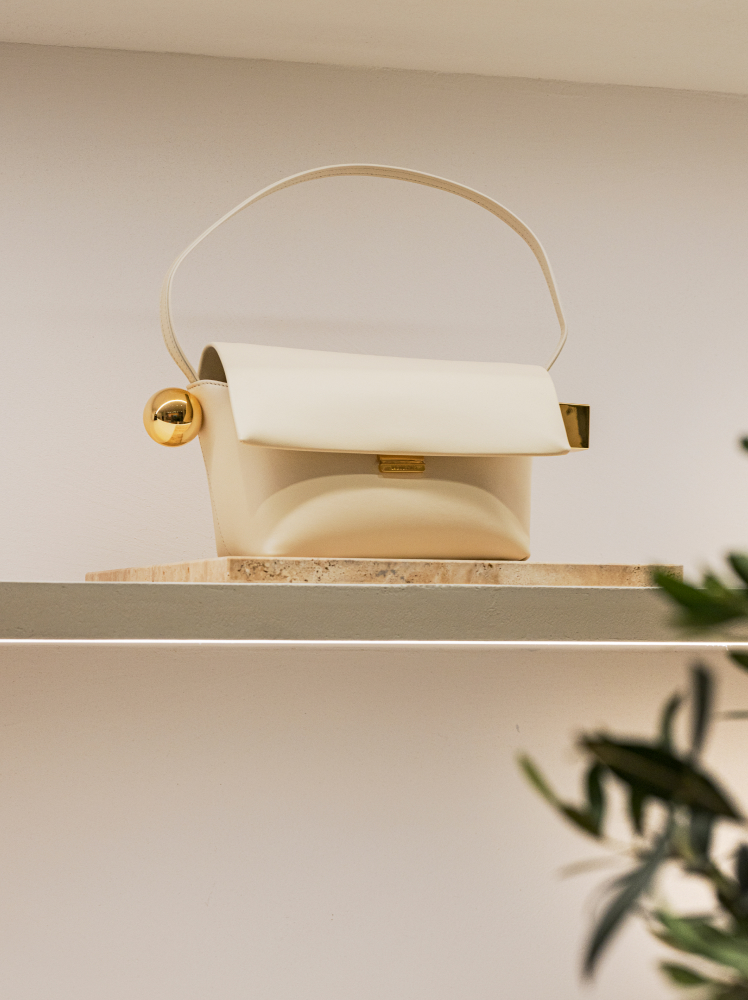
(333, 612)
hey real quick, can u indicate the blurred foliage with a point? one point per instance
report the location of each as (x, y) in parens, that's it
(673, 808)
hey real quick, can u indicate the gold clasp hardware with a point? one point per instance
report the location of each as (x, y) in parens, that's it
(173, 417)
(577, 423)
(401, 463)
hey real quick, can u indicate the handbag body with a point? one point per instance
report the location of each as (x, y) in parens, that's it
(326, 454)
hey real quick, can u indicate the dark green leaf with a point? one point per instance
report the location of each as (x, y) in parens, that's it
(702, 687)
(580, 818)
(739, 563)
(709, 605)
(537, 780)
(666, 722)
(740, 658)
(741, 868)
(700, 833)
(596, 795)
(661, 775)
(734, 991)
(740, 905)
(685, 594)
(698, 936)
(633, 886)
(744, 443)
(713, 586)
(637, 802)
(683, 976)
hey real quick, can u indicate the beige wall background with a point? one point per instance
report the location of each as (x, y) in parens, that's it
(327, 824)
(112, 162)
(287, 823)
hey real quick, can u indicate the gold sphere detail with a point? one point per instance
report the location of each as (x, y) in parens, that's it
(173, 417)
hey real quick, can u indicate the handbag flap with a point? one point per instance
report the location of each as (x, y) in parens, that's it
(282, 397)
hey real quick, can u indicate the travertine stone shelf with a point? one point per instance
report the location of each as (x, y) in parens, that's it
(269, 569)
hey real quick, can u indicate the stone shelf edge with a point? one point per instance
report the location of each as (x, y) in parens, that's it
(276, 569)
(334, 612)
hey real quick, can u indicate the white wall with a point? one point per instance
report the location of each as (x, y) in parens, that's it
(296, 824)
(113, 162)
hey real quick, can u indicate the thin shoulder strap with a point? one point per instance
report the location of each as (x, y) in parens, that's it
(364, 170)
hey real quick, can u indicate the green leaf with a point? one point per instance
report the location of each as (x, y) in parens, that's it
(700, 833)
(537, 780)
(582, 819)
(738, 901)
(709, 605)
(740, 658)
(637, 802)
(681, 975)
(596, 795)
(739, 563)
(662, 775)
(685, 594)
(702, 686)
(698, 936)
(633, 886)
(744, 443)
(666, 722)
(741, 868)
(713, 586)
(732, 991)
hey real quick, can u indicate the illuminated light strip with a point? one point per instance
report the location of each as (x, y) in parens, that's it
(391, 643)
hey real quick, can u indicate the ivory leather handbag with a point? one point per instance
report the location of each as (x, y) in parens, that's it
(317, 453)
